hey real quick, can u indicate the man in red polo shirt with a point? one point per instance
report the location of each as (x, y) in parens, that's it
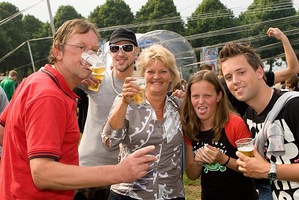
(41, 133)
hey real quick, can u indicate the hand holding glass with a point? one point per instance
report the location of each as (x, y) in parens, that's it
(245, 146)
(91, 59)
(139, 98)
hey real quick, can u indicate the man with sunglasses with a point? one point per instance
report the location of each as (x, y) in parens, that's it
(123, 49)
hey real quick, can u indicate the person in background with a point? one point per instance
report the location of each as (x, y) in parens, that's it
(291, 83)
(283, 86)
(9, 84)
(205, 67)
(211, 129)
(123, 48)
(243, 72)
(41, 133)
(183, 85)
(271, 78)
(131, 127)
(82, 105)
(3, 104)
(3, 100)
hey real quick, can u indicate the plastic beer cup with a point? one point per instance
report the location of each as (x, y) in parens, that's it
(97, 67)
(98, 73)
(139, 98)
(245, 146)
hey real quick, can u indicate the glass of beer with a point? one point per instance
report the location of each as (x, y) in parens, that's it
(139, 98)
(98, 73)
(98, 68)
(245, 146)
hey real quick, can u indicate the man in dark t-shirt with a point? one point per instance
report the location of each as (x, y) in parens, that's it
(243, 72)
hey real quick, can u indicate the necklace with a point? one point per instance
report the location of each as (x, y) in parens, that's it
(112, 83)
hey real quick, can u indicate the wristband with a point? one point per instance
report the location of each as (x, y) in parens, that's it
(227, 161)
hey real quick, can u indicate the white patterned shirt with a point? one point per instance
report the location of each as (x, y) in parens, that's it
(141, 128)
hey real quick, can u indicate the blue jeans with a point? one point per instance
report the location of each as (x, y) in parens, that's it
(265, 191)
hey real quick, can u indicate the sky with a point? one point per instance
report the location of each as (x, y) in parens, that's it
(84, 7)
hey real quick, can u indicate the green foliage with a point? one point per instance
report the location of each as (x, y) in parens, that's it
(43, 46)
(263, 14)
(192, 188)
(65, 13)
(13, 35)
(211, 24)
(112, 13)
(210, 15)
(33, 30)
(32, 26)
(187, 181)
(159, 15)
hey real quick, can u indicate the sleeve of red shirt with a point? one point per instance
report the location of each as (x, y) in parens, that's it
(236, 129)
(187, 140)
(45, 126)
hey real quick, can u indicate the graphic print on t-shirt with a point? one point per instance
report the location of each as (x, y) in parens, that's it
(213, 166)
(290, 189)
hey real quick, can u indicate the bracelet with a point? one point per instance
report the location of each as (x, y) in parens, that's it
(227, 161)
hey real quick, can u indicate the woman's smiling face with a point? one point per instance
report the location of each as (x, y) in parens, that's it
(158, 77)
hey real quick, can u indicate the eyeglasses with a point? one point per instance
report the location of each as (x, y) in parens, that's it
(83, 48)
(126, 48)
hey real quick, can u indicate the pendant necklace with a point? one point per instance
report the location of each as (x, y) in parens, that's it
(112, 83)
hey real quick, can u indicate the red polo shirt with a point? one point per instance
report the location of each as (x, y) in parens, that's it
(40, 121)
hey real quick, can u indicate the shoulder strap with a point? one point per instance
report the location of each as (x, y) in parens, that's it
(272, 131)
(279, 104)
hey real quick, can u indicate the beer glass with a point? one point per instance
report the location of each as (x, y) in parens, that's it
(139, 98)
(97, 67)
(245, 146)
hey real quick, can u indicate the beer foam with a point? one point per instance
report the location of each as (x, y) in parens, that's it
(245, 149)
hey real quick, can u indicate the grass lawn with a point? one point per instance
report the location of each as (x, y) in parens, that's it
(192, 189)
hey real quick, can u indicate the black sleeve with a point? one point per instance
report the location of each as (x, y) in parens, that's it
(291, 115)
(270, 78)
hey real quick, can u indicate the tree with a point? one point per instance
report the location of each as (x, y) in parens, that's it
(65, 13)
(12, 35)
(5, 46)
(38, 41)
(112, 13)
(159, 15)
(262, 14)
(209, 16)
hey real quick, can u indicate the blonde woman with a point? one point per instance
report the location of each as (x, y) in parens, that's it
(157, 122)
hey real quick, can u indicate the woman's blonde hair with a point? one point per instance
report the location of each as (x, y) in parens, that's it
(158, 52)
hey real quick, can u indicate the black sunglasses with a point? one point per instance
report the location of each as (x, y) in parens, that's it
(125, 47)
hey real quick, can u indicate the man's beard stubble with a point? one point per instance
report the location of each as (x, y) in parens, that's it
(126, 68)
